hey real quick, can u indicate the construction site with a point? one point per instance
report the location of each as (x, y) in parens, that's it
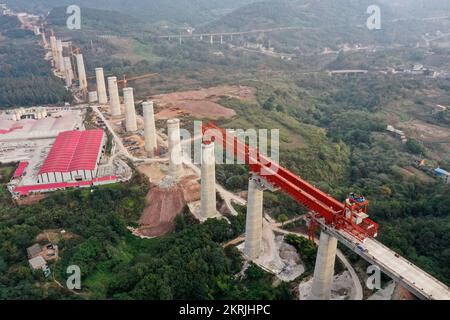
(55, 151)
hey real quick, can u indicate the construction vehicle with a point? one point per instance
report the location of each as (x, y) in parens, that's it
(350, 218)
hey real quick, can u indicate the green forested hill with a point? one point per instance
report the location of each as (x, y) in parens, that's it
(327, 23)
(419, 8)
(175, 11)
(299, 13)
(99, 20)
(320, 24)
(25, 77)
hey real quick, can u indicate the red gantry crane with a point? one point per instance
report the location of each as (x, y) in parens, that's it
(350, 216)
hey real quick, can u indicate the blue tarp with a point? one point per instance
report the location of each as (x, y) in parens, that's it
(441, 172)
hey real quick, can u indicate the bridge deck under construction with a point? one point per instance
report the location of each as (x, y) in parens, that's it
(395, 266)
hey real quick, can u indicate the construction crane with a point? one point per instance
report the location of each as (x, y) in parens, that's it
(350, 217)
(144, 76)
(125, 80)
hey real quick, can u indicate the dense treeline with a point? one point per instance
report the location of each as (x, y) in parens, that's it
(25, 77)
(93, 217)
(21, 58)
(189, 264)
(31, 91)
(8, 23)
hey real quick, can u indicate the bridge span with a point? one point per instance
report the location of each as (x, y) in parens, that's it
(416, 280)
(231, 34)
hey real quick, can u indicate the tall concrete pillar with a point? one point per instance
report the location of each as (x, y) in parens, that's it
(44, 40)
(92, 96)
(54, 51)
(324, 269)
(101, 87)
(254, 222)
(208, 182)
(81, 72)
(68, 71)
(149, 128)
(59, 48)
(114, 100)
(130, 110)
(175, 154)
(68, 63)
(211, 40)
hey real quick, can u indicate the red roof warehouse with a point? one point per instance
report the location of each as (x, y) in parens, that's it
(74, 156)
(74, 150)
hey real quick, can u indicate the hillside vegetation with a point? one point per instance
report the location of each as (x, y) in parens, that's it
(329, 23)
(189, 264)
(25, 77)
(333, 134)
(173, 11)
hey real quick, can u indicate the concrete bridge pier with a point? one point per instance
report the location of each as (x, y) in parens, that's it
(208, 182)
(59, 48)
(150, 134)
(175, 151)
(68, 71)
(324, 269)
(114, 99)
(81, 72)
(54, 51)
(212, 39)
(101, 86)
(254, 222)
(130, 111)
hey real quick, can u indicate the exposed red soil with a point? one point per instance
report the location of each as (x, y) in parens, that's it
(164, 204)
(400, 293)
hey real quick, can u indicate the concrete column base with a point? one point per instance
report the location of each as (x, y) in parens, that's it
(175, 151)
(208, 182)
(253, 227)
(324, 269)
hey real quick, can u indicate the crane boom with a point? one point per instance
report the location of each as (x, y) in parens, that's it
(352, 218)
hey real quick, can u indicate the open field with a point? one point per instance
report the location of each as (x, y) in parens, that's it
(133, 50)
(202, 103)
(427, 132)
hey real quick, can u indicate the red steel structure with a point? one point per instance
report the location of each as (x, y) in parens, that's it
(324, 208)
